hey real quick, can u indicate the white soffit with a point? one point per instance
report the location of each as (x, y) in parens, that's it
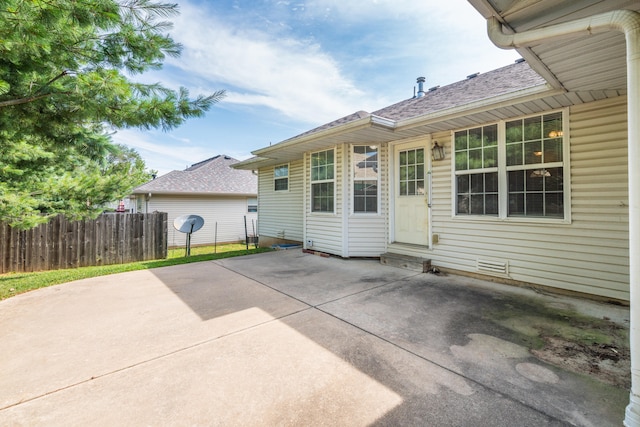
(587, 63)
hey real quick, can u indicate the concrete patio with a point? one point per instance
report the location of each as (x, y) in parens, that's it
(286, 338)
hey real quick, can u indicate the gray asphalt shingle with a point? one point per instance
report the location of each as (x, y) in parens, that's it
(511, 78)
(212, 176)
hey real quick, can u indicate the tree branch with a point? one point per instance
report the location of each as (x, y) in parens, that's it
(26, 100)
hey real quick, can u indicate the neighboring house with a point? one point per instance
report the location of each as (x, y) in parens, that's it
(532, 189)
(212, 189)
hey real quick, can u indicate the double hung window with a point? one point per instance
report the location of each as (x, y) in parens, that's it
(365, 179)
(281, 178)
(322, 181)
(526, 180)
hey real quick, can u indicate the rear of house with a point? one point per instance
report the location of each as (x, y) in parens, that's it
(498, 175)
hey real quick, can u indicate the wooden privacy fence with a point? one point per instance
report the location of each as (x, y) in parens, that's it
(109, 239)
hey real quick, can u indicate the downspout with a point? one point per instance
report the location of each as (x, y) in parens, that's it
(628, 22)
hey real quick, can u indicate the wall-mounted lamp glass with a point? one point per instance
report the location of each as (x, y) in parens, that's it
(437, 152)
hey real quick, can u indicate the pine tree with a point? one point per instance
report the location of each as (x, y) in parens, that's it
(67, 71)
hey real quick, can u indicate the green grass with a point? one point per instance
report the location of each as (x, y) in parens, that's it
(16, 283)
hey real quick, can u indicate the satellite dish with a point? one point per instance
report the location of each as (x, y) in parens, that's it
(188, 223)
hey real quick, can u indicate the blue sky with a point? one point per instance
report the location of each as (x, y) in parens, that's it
(289, 66)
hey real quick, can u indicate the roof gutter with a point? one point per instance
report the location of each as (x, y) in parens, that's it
(628, 22)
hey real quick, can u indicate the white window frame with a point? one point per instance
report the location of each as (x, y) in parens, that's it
(503, 191)
(278, 178)
(322, 181)
(353, 180)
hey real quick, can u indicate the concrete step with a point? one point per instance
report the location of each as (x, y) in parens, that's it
(413, 263)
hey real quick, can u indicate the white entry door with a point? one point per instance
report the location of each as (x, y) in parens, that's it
(411, 198)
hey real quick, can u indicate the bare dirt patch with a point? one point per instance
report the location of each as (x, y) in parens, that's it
(560, 336)
(609, 363)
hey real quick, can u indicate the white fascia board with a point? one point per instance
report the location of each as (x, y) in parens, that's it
(336, 130)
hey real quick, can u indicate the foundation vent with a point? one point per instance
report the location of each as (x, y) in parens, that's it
(493, 266)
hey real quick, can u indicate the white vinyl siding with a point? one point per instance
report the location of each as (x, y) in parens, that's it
(227, 212)
(323, 228)
(281, 212)
(368, 232)
(589, 254)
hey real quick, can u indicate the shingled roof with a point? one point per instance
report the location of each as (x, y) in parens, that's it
(477, 87)
(211, 176)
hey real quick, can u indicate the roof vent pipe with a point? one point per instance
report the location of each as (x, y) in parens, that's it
(421, 81)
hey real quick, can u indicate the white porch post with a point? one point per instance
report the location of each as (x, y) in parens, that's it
(628, 22)
(632, 415)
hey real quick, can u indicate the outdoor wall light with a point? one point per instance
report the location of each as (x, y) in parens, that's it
(437, 152)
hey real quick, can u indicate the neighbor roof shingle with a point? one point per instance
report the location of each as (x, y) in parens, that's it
(211, 176)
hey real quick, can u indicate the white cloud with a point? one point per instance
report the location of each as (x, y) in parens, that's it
(294, 77)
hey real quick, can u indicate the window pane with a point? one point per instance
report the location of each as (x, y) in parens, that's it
(322, 197)
(516, 181)
(403, 188)
(514, 131)
(281, 171)
(533, 152)
(365, 196)
(554, 181)
(491, 182)
(403, 157)
(552, 125)
(514, 154)
(490, 157)
(461, 140)
(411, 172)
(461, 161)
(552, 150)
(462, 207)
(477, 183)
(516, 204)
(490, 135)
(491, 204)
(420, 156)
(477, 204)
(475, 159)
(534, 180)
(411, 188)
(462, 184)
(480, 197)
(281, 184)
(554, 205)
(475, 138)
(322, 173)
(411, 157)
(532, 128)
(420, 186)
(371, 204)
(534, 205)
(419, 171)
(404, 175)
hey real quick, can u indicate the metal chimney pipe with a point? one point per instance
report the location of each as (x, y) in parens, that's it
(421, 81)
